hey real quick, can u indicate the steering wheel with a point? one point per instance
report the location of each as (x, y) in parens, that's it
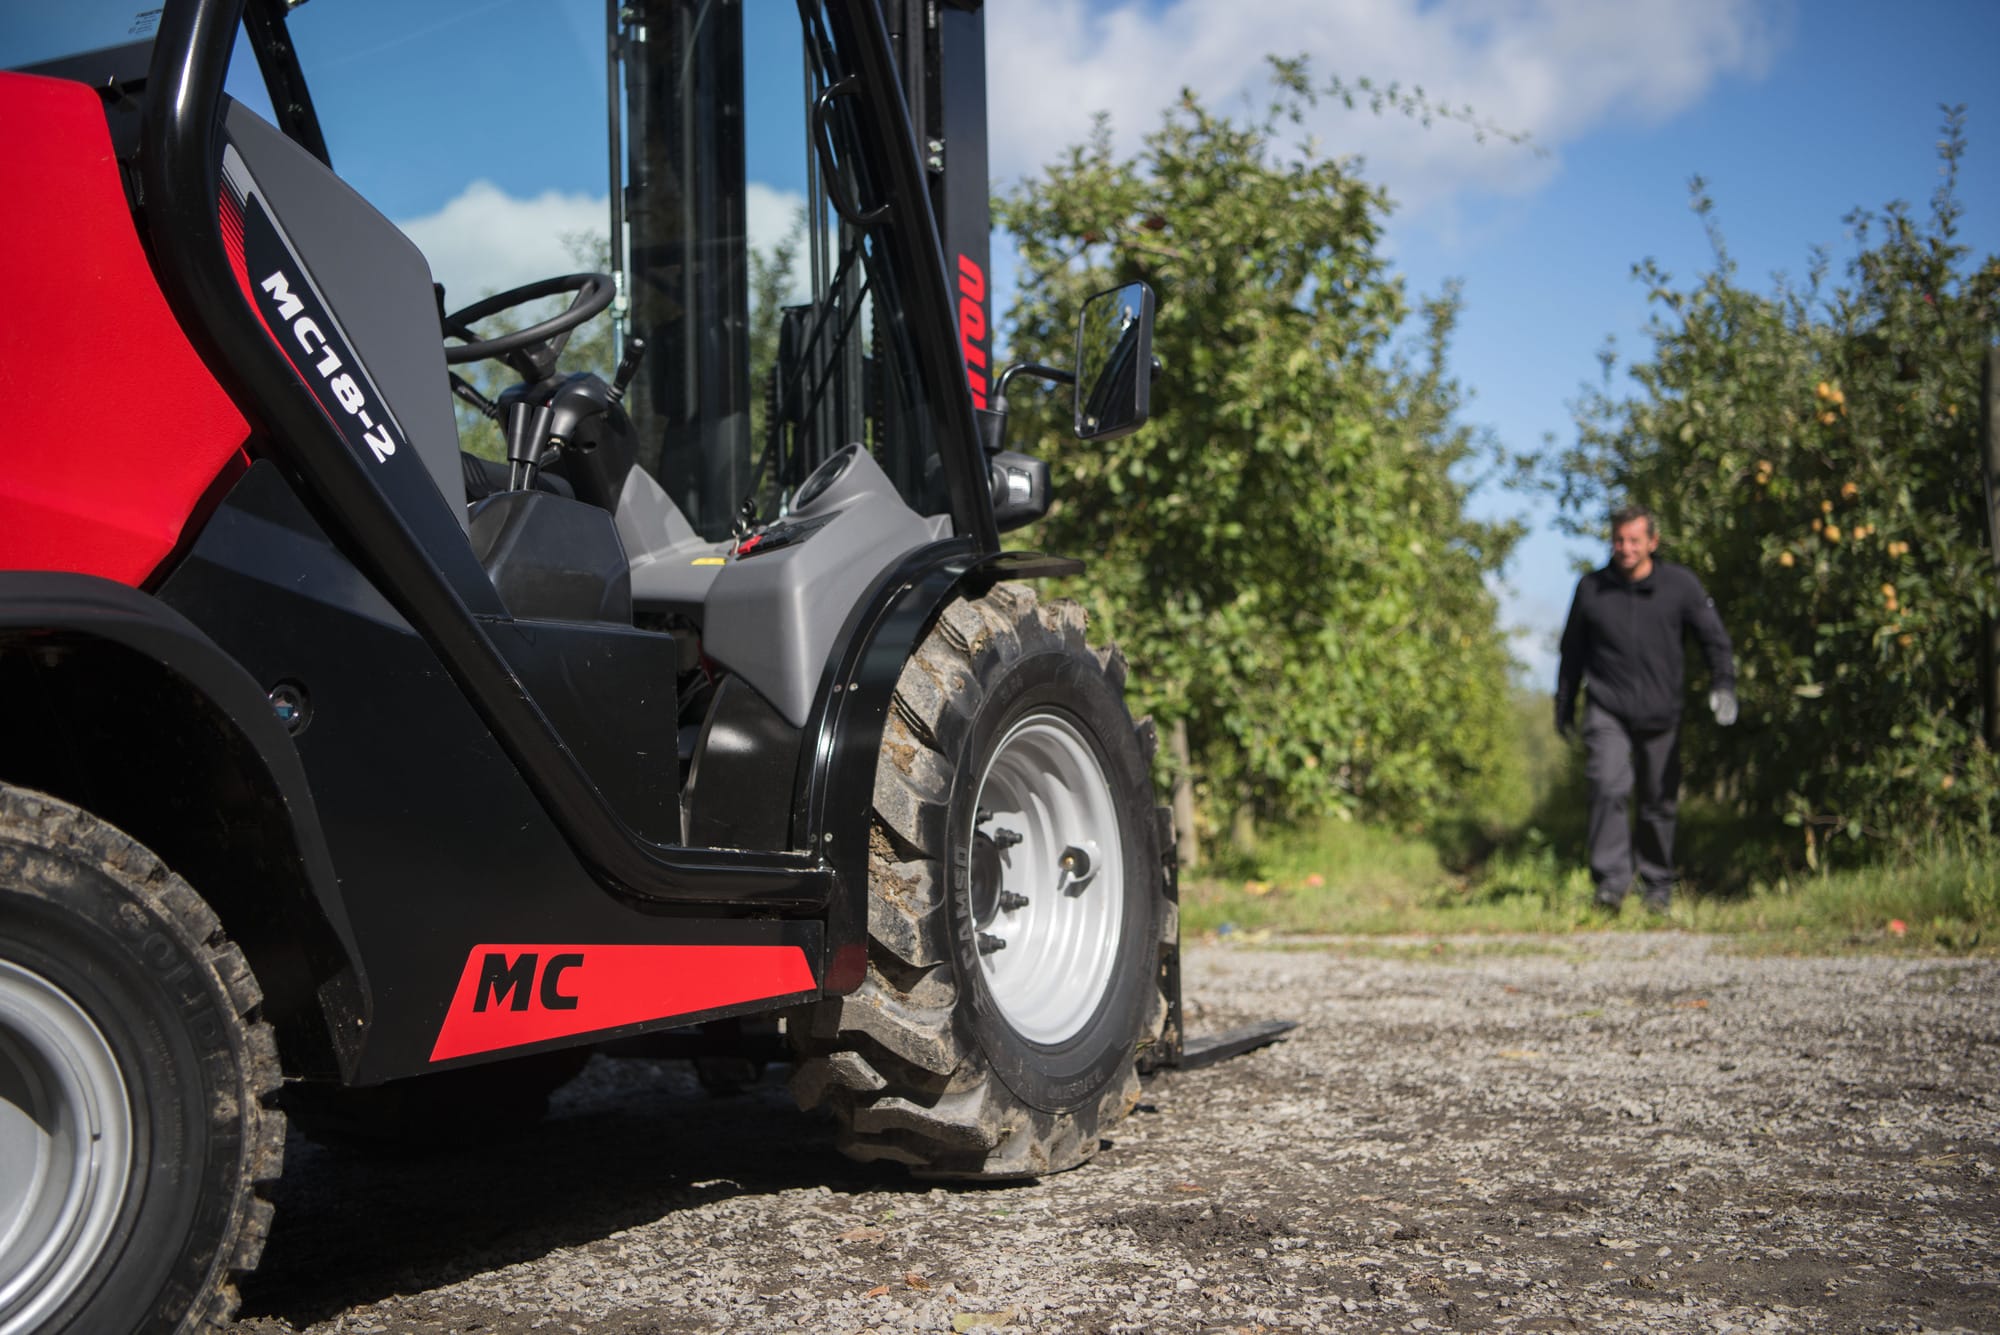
(593, 293)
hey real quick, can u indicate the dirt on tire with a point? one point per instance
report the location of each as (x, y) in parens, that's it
(1601, 1132)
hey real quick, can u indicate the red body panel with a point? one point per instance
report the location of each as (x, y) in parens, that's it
(116, 429)
(512, 995)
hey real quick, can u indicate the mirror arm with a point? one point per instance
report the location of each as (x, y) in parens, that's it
(1053, 374)
(993, 418)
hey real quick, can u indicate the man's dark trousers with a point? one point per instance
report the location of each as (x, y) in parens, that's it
(1616, 760)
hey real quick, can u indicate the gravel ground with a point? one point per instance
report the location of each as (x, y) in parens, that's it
(1605, 1132)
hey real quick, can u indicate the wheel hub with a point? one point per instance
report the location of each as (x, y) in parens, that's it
(65, 1146)
(1047, 879)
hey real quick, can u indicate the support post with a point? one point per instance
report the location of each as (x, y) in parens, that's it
(1989, 442)
(1186, 842)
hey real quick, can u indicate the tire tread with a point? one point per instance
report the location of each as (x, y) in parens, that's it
(888, 1059)
(45, 824)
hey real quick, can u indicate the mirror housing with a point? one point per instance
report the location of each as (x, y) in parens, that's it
(1114, 363)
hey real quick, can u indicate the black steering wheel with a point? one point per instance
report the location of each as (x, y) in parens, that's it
(593, 293)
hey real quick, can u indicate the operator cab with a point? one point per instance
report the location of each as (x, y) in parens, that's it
(712, 489)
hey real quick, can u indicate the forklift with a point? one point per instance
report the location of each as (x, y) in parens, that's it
(347, 778)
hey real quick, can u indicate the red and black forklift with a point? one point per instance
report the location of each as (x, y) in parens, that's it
(347, 778)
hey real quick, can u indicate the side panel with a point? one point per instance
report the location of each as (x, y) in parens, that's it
(441, 848)
(115, 428)
(378, 287)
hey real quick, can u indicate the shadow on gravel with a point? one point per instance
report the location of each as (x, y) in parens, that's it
(626, 1143)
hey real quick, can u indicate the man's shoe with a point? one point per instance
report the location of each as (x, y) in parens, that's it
(1659, 898)
(1607, 900)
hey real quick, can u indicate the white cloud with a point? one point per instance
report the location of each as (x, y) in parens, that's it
(486, 240)
(1555, 69)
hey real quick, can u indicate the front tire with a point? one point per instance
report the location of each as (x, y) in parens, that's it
(1017, 907)
(133, 1072)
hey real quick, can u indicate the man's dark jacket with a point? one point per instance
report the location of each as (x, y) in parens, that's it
(1625, 636)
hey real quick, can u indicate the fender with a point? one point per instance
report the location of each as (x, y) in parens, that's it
(59, 614)
(837, 784)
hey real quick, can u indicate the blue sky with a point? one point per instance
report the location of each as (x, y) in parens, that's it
(478, 124)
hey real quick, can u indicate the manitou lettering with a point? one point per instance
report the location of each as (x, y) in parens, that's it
(972, 327)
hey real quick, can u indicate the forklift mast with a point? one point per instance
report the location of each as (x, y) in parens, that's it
(716, 430)
(941, 47)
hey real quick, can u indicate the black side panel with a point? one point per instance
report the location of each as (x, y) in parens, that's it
(610, 692)
(439, 844)
(111, 699)
(377, 285)
(744, 770)
(553, 559)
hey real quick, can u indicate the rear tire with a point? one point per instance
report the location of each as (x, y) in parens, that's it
(1017, 914)
(134, 1069)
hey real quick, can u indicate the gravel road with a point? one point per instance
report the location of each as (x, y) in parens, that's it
(1603, 1132)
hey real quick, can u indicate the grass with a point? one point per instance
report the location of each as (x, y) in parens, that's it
(1515, 866)
(1347, 879)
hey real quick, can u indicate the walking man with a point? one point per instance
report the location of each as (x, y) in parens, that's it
(1624, 638)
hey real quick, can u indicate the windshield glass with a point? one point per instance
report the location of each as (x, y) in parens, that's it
(40, 34)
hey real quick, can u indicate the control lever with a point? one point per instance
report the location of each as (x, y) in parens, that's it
(472, 398)
(628, 365)
(527, 430)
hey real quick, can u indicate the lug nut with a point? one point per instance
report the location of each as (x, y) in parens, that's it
(988, 943)
(1011, 902)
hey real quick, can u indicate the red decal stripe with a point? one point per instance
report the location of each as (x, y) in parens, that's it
(512, 995)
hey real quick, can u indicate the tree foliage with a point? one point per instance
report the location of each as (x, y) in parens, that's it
(1284, 551)
(1812, 455)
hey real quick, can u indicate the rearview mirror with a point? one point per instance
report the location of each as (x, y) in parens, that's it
(1114, 363)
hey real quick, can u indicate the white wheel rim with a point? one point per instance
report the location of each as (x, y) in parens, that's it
(1048, 941)
(65, 1146)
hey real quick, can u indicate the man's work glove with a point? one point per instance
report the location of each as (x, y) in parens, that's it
(1722, 703)
(1565, 719)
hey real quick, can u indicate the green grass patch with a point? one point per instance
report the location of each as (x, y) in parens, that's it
(1343, 879)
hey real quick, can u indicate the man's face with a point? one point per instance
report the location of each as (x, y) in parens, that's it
(1632, 547)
